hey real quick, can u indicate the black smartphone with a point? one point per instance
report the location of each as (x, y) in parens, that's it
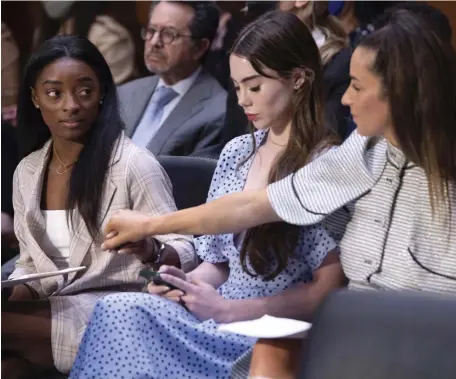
(154, 276)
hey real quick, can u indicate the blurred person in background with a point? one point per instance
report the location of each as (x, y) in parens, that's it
(357, 17)
(332, 42)
(181, 109)
(10, 155)
(10, 159)
(110, 26)
(10, 75)
(437, 21)
(231, 22)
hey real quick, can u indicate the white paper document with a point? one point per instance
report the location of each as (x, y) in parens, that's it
(268, 327)
(29, 278)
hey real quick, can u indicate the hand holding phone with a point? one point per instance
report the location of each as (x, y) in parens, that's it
(154, 276)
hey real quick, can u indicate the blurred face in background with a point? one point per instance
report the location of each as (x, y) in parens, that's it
(170, 51)
(267, 102)
(302, 9)
(286, 6)
(365, 96)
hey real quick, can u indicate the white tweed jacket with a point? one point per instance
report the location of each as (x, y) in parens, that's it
(379, 202)
(393, 240)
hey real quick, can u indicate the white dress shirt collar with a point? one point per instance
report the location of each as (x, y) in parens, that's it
(182, 86)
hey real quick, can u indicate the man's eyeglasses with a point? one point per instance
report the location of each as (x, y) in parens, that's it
(166, 35)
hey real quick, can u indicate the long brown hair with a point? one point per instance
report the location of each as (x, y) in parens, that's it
(280, 42)
(418, 71)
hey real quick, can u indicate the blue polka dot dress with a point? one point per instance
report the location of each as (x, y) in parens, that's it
(143, 336)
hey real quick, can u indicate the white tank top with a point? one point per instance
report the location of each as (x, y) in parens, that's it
(56, 241)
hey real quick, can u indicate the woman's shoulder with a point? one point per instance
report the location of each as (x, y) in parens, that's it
(127, 158)
(237, 143)
(131, 154)
(242, 144)
(32, 162)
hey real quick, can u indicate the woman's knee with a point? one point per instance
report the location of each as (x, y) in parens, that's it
(276, 358)
(22, 319)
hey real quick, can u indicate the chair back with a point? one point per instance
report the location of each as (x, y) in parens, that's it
(191, 178)
(382, 335)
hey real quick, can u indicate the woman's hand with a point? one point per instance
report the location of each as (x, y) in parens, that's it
(165, 291)
(200, 298)
(145, 250)
(125, 227)
(22, 292)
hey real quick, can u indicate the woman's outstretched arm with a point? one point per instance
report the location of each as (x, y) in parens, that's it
(320, 188)
(228, 214)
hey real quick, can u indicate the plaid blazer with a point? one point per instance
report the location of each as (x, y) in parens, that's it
(135, 180)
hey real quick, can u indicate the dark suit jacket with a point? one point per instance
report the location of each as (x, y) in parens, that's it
(336, 79)
(195, 125)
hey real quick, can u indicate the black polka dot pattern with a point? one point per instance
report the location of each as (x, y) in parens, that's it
(141, 336)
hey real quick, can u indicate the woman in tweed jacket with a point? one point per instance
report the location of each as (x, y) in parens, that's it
(79, 169)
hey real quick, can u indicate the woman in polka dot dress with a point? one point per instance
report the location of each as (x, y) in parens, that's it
(275, 67)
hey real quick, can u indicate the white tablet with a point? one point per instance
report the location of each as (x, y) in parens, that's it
(29, 278)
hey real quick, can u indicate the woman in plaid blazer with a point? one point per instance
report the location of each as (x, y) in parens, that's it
(78, 170)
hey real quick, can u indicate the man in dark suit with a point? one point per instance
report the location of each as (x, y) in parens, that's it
(180, 110)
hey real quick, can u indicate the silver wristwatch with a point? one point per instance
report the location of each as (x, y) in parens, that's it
(156, 263)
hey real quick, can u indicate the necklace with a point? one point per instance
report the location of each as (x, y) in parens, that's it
(66, 166)
(275, 143)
